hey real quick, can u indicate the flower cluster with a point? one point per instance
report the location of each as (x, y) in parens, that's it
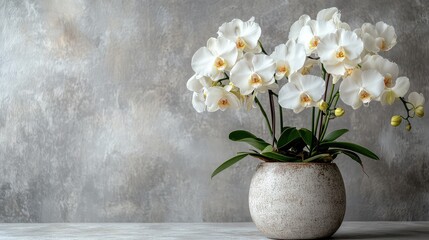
(322, 61)
(234, 67)
(231, 70)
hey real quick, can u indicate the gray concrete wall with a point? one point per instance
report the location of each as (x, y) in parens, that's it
(96, 123)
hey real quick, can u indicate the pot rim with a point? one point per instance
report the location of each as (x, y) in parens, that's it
(300, 163)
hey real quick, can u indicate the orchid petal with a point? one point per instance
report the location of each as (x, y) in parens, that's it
(194, 84)
(296, 27)
(372, 82)
(401, 87)
(289, 96)
(198, 102)
(202, 62)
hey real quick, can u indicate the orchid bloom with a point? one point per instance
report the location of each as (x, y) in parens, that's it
(196, 83)
(394, 87)
(245, 35)
(289, 58)
(199, 100)
(334, 15)
(296, 27)
(417, 100)
(211, 61)
(219, 98)
(308, 66)
(340, 51)
(381, 37)
(253, 72)
(302, 91)
(361, 87)
(199, 84)
(311, 34)
(329, 14)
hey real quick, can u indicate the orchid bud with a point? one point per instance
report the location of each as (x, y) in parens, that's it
(396, 120)
(339, 112)
(420, 111)
(408, 127)
(323, 106)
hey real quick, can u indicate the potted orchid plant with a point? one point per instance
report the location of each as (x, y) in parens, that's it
(322, 62)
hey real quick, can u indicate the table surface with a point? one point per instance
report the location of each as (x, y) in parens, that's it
(349, 230)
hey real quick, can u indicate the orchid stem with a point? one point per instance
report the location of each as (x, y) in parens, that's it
(262, 48)
(313, 111)
(273, 115)
(264, 114)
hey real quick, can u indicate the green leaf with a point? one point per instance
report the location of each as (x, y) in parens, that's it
(268, 148)
(240, 134)
(334, 135)
(307, 136)
(269, 152)
(285, 128)
(353, 156)
(256, 155)
(249, 138)
(228, 163)
(323, 155)
(352, 147)
(279, 157)
(288, 137)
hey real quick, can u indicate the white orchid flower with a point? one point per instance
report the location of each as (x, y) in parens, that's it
(388, 69)
(302, 91)
(196, 83)
(334, 15)
(296, 27)
(394, 87)
(310, 34)
(381, 37)
(361, 88)
(417, 99)
(219, 98)
(198, 101)
(253, 72)
(390, 94)
(289, 58)
(308, 66)
(340, 51)
(211, 61)
(329, 14)
(245, 35)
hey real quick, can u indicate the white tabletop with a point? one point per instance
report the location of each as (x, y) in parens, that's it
(349, 230)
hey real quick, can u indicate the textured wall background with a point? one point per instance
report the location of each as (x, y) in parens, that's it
(96, 123)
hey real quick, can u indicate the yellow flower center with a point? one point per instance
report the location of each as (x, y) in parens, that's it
(255, 80)
(383, 45)
(349, 71)
(283, 69)
(305, 100)
(340, 53)
(364, 96)
(388, 81)
(240, 43)
(220, 64)
(223, 103)
(314, 42)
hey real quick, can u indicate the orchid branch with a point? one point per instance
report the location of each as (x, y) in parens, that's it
(265, 115)
(273, 116)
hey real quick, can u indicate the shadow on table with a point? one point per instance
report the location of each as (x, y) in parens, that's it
(392, 234)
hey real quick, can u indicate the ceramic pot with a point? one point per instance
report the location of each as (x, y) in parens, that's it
(297, 200)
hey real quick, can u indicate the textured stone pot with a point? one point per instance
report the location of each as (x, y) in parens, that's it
(297, 200)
